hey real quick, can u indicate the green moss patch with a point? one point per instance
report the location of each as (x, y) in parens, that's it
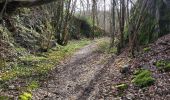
(163, 65)
(143, 78)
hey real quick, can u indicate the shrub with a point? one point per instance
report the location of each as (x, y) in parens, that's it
(163, 65)
(143, 78)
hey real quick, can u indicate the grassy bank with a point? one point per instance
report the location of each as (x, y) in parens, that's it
(39, 64)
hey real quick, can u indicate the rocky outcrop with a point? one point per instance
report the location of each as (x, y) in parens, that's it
(26, 3)
(24, 30)
(11, 5)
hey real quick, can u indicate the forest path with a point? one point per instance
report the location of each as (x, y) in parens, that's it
(78, 77)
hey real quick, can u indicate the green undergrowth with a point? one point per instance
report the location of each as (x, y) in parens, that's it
(5, 98)
(146, 49)
(104, 47)
(32, 86)
(163, 65)
(26, 94)
(42, 63)
(143, 78)
(122, 86)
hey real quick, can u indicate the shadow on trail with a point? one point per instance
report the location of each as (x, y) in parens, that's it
(68, 72)
(90, 88)
(70, 67)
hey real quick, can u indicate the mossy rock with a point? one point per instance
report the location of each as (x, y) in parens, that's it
(122, 86)
(143, 78)
(163, 65)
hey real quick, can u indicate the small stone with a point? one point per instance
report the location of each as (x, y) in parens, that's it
(12, 87)
(125, 69)
(146, 67)
(130, 96)
(117, 98)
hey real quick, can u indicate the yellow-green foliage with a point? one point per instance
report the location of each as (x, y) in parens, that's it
(33, 85)
(163, 65)
(143, 78)
(122, 86)
(44, 63)
(25, 96)
(146, 49)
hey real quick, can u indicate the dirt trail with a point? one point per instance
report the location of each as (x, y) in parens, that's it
(78, 78)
